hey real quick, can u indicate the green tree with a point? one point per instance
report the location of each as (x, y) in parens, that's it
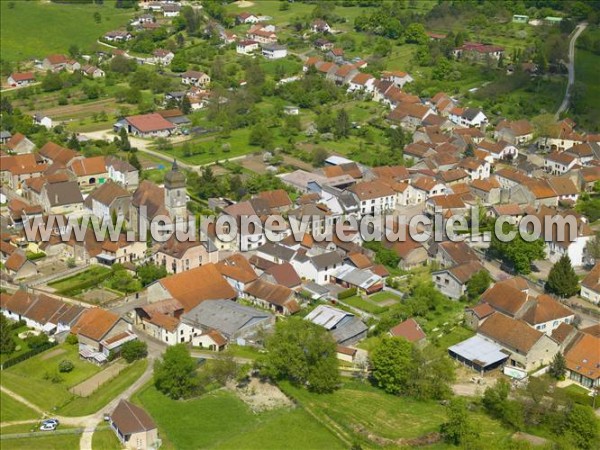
(478, 284)
(562, 279)
(518, 252)
(303, 353)
(7, 343)
(52, 82)
(124, 140)
(458, 430)
(582, 427)
(469, 151)
(393, 365)
(179, 62)
(342, 124)
(133, 350)
(319, 155)
(261, 136)
(175, 374)
(415, 34)
(134, 161)
(148, 273)
(558, 366)
(186, 105)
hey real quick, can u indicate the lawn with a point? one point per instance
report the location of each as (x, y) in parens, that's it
(81, 406)
(366, 306)
(75, 284)
(383, 296)
(43, 441)
(56, 27)
(586, 72)
(221, 420)
(14, 410)
(21, 345)
(27, 380)
(105, 440)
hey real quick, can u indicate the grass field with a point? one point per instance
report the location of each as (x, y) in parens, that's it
(105, 440)
(72, 285)
(25, 32)
(27, 380)
(221, 420)
(586, 72)
(20, 344)
(14, 410)
(43, 442)
(366, 306)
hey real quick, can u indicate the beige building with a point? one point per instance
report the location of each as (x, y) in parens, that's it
(134, 427)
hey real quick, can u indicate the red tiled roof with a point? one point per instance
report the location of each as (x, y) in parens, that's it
(147, 123)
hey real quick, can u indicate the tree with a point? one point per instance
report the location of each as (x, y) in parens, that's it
(186, 105)
(52, 82)
(134, 161)
(303, 353)
(558, 366)
(582, 427)
(592, 248)
(7, 344)
(518, 252)
(120, 64)
(261, 136)
(342, 124)
(458, 430)
(124, 140)
(469, 151)
(415, 34)
(149, 273)
(175, 374)
(179, 62)
(562, 279)
(478, 284)
(66, 366)
(393, 365)
(133, 350)
(319, 155)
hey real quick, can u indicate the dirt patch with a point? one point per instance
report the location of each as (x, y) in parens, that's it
(98, 296)
(530, 438)
(388, 302)
(427, 439)
(53, 353)
(87, 387)
(261, 396)
(244, 4)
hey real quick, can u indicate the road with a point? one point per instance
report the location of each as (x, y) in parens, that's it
(565, 103)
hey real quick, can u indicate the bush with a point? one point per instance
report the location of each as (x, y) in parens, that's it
(132, 350)
(53, 377)
(347, 293)
(38, 341)
(72, 339)
(65, 366)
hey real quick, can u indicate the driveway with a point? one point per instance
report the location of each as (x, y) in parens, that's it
(565, 103)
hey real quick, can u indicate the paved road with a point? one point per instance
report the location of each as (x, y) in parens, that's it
(565, 103)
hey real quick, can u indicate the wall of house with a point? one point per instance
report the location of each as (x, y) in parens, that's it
(448, 285)
(590, 295)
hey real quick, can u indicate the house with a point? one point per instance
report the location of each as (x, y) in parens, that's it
(212, 340)
(162, 56)
(477, 169)
(426, 187)
(18, 266)
(514, 132)
(15, 169)
(55, 63)
(565, 189)
(398, 78)
(55, 154)
(558, 163)
(43, 120)
(453, 281)
(323, 44)
(585, 153)
(363, 280)
(374, 197)
(583, 360)
(409, 330)
(178, 256)
(246, 46)
(478, 52)
(195, 78)
(560, 137)
(469, 117)
(590, 285)
(317, 268)
(262, 35)
(109, 200)
(476, 315)
(19, 144)
(361, 82)
(171, 9)
(283, 274)
(528, 348)
(345, 328)
(62, 198)
(18, 79)
(291, 110)
(134, 428)
(122, 172)
(518, 18)
(320, 26)
(119, 36)
(246, 17)
(40, 311)
(89, 171)
(409, 115)
(92, 71)
(121, 251)
(336, 54)
(274, 51)
(449, 253)
(278, 298)
(501, 150)
(149, 125)
(101, 333)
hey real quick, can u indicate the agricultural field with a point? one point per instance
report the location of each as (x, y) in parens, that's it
(43, 441)
(72, 24)
(36, 380)
(221, 420)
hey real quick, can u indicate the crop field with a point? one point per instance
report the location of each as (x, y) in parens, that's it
(25, 33)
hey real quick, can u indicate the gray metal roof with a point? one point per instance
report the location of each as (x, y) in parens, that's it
(277, 251)
(479, 351)
(326, 260)
(225, 316)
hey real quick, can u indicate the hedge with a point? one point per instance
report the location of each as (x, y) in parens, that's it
(28, 354)
(79, 287)
(347, 293)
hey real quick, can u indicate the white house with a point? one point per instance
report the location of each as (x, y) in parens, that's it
(317, 268)
(361, 82)
(195, 78)
(374, 197)
(274, 51)
(43, 120)
(469, 117)
(397, 77)
(558, 163)
(478, 169)
(590, 285)
(162, 56)
(20, 79)
(246, 47)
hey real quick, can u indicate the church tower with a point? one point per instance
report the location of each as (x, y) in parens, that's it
(175, 193)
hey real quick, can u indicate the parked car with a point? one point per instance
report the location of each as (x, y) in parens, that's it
(51, 421)
(48, 426)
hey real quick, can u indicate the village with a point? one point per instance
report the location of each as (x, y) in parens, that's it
(238, 109)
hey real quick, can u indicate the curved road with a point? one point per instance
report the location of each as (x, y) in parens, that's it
(565, 103)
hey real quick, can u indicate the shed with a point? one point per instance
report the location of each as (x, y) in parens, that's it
(479, 354)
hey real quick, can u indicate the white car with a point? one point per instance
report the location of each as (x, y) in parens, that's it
(48, 426)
